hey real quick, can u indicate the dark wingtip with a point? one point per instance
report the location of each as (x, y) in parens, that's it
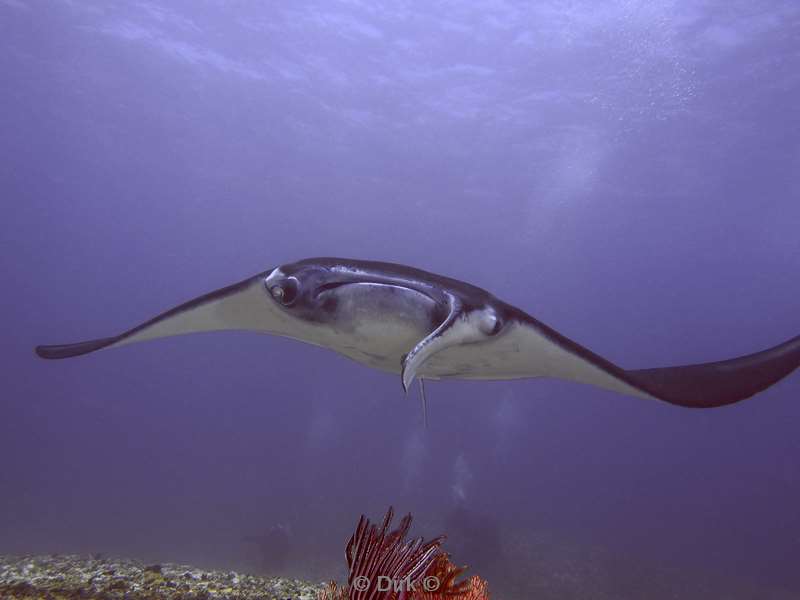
(710, 385)
(70, 350)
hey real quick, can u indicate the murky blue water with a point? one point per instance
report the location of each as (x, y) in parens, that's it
(627, 172)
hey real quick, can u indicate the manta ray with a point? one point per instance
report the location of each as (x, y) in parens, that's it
(421, 325)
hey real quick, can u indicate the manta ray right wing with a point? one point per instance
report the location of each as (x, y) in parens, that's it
(529, 348)
(701, 385)
(711, 384)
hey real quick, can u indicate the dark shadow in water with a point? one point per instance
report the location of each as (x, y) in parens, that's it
(273, 547)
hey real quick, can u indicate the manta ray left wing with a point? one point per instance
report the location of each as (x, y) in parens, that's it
(238, 306)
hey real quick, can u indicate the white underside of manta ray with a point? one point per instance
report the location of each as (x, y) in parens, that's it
(422, 325)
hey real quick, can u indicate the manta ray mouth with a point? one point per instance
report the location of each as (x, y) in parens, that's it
(330, 286)
(335, 285)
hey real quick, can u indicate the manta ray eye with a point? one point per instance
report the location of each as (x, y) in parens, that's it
(285, 292)
(490, 323)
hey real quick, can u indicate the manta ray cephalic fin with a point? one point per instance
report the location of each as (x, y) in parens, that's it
(424, 402)
(459, 327)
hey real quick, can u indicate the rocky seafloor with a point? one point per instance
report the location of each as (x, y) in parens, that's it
(62, 577)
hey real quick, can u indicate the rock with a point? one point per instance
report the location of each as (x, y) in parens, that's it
(65, 577)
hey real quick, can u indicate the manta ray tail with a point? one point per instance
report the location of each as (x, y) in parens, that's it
(712, 384)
